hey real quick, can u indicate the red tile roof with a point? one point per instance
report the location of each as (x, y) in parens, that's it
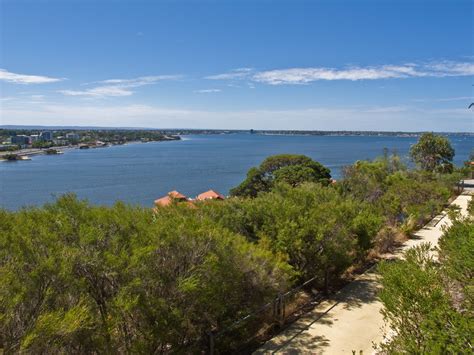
(210, 195)
(172, 196)
(177, 195)
(164, 201)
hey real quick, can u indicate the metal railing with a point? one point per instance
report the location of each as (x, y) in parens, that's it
(262, 322)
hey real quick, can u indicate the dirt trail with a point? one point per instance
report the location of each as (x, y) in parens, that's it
(351, 320)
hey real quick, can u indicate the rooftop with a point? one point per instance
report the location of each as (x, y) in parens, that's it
(177, 195)
(210, 195)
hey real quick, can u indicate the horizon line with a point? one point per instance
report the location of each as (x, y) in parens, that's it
(80, 127)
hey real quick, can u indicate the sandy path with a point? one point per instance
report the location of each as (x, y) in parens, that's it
(351, 320)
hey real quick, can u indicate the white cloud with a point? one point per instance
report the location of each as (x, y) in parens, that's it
(239, 73)
(409, 70)
(207, 91)
(100, 91)
(140, 81)
(37, 97)
(450, 68)
(26, 79)
(118, 87)
(307, 75)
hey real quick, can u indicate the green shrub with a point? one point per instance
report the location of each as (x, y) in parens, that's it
(81, 278)
(428, 305)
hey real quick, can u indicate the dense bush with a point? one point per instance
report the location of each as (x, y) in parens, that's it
(428, 304)
(404, 198)
(456, 255)
(78, 278)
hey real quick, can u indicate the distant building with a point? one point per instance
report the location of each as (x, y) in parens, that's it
(172, 196)
(46, 136)
(210, 195)
(34, 138)
(177, 197)
(72, 136)
(21, 140)
(59, 141)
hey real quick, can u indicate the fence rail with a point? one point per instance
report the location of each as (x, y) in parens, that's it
(272, 315)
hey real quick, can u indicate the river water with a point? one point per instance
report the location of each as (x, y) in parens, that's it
(140, 173)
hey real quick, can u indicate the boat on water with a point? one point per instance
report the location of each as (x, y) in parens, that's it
(14, 157)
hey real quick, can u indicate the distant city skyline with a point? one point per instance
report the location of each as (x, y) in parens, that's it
(296, 65)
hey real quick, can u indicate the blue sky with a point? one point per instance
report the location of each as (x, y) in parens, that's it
(328, 65)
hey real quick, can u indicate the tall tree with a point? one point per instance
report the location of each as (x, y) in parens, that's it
(292, 169)
(433, 153)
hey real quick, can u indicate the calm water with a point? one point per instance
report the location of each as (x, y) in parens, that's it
(140, 173)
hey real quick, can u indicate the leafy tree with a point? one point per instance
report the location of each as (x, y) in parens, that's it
(367, 180)
(412, 200)
(310, 225)
(254, 183)
(290, 168)
(295, 175)
(364, 180)
(433, 153)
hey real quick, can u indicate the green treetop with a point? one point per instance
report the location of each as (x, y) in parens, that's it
(291, 169)
(433, 153)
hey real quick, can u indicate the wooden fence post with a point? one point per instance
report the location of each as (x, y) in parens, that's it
(211, 342)
(280, 309)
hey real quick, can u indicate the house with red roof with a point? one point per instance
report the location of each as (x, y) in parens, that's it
(210, 195)
(172, 196)
(175, 196)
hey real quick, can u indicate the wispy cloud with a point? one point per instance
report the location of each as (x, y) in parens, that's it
(26, 79)
(445, 99)
(37, 97)
(386, 109)
(140, 81)
(409, 70)
(239, 73)
(207, 91)
(307, 75)
(118, 87)
(100, 91)
(449, 68)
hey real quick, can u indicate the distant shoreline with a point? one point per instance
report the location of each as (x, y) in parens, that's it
(28, 152)
(198, 131)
